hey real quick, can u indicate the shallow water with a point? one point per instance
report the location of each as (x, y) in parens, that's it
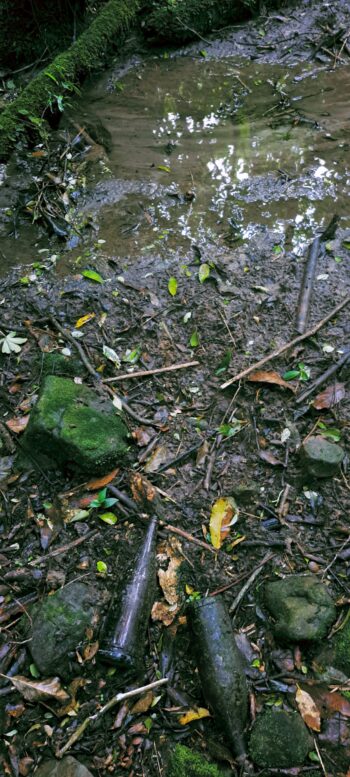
(210, 152)
(219, 131)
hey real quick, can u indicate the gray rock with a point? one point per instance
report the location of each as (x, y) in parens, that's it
(73, 425)
(246, 490)
(321, 458)
(279, 739)
(302, 607)
(59, 625)
(68, 767)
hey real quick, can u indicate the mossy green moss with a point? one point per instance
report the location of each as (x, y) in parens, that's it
(185, 763)
(279, 739)
(180, 20)
(65, 72)
(74, 426)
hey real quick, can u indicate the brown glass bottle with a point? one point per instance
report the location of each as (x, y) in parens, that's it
(124, 636)
(220, 668)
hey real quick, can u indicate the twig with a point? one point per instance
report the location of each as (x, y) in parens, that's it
(146, 373)
(322, 378)
(190, 29)
(111, 703)
(309, 274)
(286, 346)
(320, 757)
(236, 602)
(63, 548)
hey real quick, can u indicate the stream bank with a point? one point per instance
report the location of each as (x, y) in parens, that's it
(206, 178)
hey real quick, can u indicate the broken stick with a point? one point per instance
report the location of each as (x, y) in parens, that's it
(147, 373)
(286, 346)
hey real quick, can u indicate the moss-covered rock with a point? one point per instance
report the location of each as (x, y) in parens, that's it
(55, 363)
(59, 625)
(180, 20)
(76, 427)
(65, 72)
(302, 607)
(279, 739)
(186, 763)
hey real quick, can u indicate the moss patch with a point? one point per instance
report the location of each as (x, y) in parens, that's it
(65, 72)
(185, 763)
(180, 20)
(279, 739)
(73, 425)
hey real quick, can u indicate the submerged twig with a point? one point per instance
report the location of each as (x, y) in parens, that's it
(278, 352)
(111, 703)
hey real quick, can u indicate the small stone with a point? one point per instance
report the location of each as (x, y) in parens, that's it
(68, 767)
(302, 607)
(59, 625)
(321, 458)
(77, 427)
(279, 739)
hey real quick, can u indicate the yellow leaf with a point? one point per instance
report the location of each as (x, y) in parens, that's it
(189, 589)
(193, 714)
(308, 710)
(84, 319)
(224, 514)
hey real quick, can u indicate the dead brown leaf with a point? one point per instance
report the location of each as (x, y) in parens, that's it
(163, 612)
(330, 396)
(270, 459)
(39, 690)
(17, 424)
(90, 651)
(142, 490)
(308, 710)
(143, 704)
(263, 376)
(78, 682)
(157, 458)
(142, 436)
(94, 485)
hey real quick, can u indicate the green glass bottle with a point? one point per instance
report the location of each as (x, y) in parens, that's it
(124, 636)
(220, 668)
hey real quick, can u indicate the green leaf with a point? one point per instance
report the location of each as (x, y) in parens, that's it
(314, 757)
(148, 723)
(203, 53)
(277, 249)
(110, 501)
(132, 356)
(92, 275)
(11, 343)
(346, 244)
(172, 286)
(224, 364)
(203, 272)
(164, 168)
(113, 357)
(194, 339)
(338, 259)
(101, 567)
(229, 430)
(34, 671)
(109, 518)
(290, 375)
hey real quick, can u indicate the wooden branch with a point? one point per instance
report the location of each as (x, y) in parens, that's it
(146, 373)
(288, 345)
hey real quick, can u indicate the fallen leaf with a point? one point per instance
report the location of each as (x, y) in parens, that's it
(38, 690)
(164, 613)
(203, 272)
(158, 457)
(330, 396)
(11, 343)
(263, 376)
(193, 714)
(17, 425)
(92, 275)
(143, 704)
(90, 651)
(335, 702)
(142, 490)
(172, 286)
(168, 578)
(84, 320)
(67, 709)
(224, 514)
(95, 485)
(142, 436)
(270, 459)
(308, 710)
(15, 710)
